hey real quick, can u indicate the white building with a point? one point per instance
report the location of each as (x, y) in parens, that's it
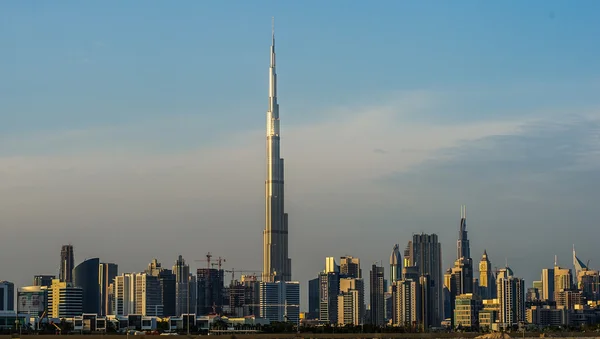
(511, 297)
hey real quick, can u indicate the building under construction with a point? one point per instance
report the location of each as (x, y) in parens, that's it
(210, 290)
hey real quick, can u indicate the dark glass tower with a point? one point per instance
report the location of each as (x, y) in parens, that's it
(86, 276)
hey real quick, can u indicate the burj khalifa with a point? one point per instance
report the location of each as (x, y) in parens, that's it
(277, 266)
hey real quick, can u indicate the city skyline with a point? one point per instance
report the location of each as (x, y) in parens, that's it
(89, 171)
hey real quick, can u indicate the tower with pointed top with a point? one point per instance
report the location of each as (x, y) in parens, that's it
(487, 281)
(276, 263)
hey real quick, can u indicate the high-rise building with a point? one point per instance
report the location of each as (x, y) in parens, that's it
(182, 293)
(563, 279)
(547, 293)
(427, 258)
(329, 287)
(313, 299)
(276, 263)
(377, 295)
(86, 276)
(348, 308)
(7, 296)
(167, 286)
(350, 267)
(210, 290)
(43, 280)
(67, 263)
(356, 288)
(407, 303)
(124, 287)
(487, 281)
(466, 310)
(148, 299)
(395, 265)
(331, 266)
(106, 275)
(64, 300)
(462, 273)
(511, 297)
(280, 301)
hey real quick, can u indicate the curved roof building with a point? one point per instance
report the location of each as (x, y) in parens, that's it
(86, 276)
(395, 264)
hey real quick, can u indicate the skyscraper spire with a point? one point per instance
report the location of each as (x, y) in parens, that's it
(276, 263)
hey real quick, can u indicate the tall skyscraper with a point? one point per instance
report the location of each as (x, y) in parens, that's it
(276, 263)
(350, 267)
(67, 263)
(547, 293)
(106, 276)
(487, 281)
(395, 265)
(313, 299)
(352, 298)
(511, 297)
(182, 292)
(464, 263)
(167, 286)
(86, 276)
(329, 288)
(427, 257)
(377, 295)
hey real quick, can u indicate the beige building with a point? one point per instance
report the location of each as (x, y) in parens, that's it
(407, 303)
(466, 310)
(488, 315)
(563, 279)
(568, 299)
(349, 308)
(547, 316)
(349, 286)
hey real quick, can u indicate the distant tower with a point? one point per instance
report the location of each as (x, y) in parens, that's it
(377, 296)
(511, 297)
(67, 263)
(350, 267)
(427, 258)
(182, 292)
(395, 265)
(277, 266)
(487, 282)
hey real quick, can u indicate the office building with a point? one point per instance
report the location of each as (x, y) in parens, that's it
(31, 300)
(427, 258)
(276, 263)
(86, 276)
(106, 275)
(124, 289)
(377, 299)
(407, 303)
(43, 280)
(67, 263)
(466, 311)
(348, 308)
(350, 267)
(356, 288)
(280, 301)
(563, 279)
(182, 281)
(395, 265)
(328, 291)
(331, 266)
(588, 282)
(7, 296)
(147, 295)
(64, 300)
(511, 298)
(313, 299)
(547, 284)
(167, 287)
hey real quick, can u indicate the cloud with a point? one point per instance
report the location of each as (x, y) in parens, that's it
(166, 187)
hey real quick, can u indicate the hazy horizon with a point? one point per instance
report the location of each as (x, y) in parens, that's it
(138, 132)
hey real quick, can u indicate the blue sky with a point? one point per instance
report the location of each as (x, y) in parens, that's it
(145, 120)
